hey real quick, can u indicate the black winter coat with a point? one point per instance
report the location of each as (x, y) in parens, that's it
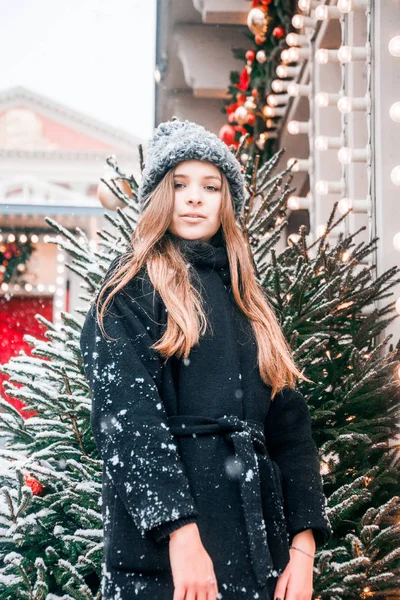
(196, 440)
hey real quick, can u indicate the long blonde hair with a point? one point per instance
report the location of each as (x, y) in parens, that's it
(168, 273)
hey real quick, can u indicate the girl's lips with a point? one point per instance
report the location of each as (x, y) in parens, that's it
(193, 219)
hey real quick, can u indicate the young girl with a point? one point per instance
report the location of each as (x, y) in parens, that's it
(211, 483)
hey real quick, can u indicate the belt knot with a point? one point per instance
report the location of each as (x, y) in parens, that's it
(229, 423)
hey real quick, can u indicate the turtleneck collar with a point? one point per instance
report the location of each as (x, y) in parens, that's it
(212, 254)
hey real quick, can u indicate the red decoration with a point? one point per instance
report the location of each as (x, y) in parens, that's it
(227, 134)
(254, 92)
(250, 55)
(244, 80)
(35, 485)
(259, 39)
(231, 108)
(241, 99)
(251, 119)
(258, 3)
(17, 318)
(278, 32)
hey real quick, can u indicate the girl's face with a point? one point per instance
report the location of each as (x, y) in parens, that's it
(197, 187)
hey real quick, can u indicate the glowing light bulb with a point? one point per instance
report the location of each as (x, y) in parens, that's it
(321, 13)
(304, 5)
(322, 56)
(322, 187)
(394, 112)
(343, 206)
(344, 6)
(321, 142)
(293, 203)
(293, 89)
(395, 175)
(293, 238)
(293, 54)
(292, 39)
(281, 71)
(268, 111)
(298, 21)
(285, 55)
(396, 241)
(322, 99)
(11, 238)
(394, 46)
(344, 104)
(344, 54)
(277, 86)
(34, 238)
(272, 100)
(293, 127)
(345, 155)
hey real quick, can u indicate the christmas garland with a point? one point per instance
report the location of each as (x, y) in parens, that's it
(269, 21)
(13, 258)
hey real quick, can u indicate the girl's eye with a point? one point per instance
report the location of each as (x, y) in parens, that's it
(209, 188)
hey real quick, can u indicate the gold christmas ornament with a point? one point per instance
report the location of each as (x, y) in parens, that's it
(107, 198)
(257, 22)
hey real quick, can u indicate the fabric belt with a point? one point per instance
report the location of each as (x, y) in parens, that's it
(247, 437)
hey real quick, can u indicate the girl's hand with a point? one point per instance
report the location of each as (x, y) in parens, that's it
(191, 565)
(296, 582)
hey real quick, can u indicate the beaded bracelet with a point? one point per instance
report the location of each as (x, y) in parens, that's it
(303, 551)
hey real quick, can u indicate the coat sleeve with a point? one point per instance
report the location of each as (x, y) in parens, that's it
(291, 446)
(128, 417)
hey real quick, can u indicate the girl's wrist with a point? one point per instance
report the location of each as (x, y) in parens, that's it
(310, 554)
(305, 540)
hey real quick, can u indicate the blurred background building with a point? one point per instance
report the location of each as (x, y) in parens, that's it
(52, 158)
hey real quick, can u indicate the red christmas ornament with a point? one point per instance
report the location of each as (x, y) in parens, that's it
(259, 39)
(258, 3)
(254, 92)
(227, 134)
(250, 55)
(278, 32)
(35, 485)
(231, 108)
(244, 80)
(241, 99)
(251, 119)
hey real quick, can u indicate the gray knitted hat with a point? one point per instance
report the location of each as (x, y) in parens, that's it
(176, 141)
